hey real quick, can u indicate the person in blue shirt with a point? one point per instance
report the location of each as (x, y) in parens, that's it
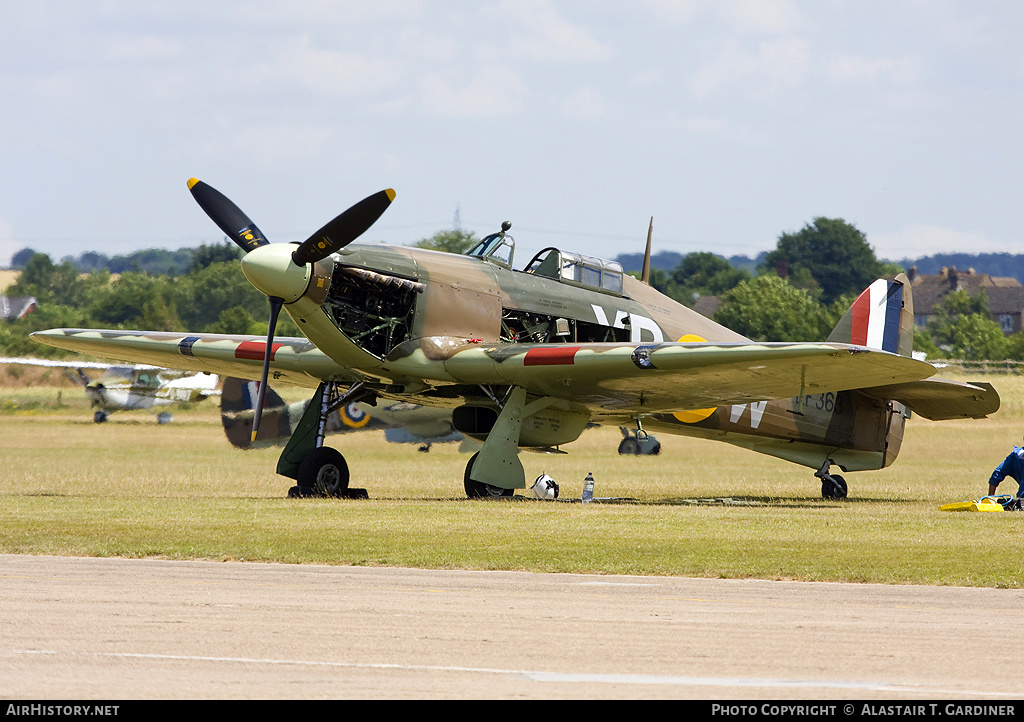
(1012, 466)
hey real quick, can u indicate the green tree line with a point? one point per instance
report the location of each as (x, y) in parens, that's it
(805, 286)
(798, 293)
(213, 296)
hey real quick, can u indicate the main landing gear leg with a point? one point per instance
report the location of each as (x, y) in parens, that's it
(833, 486)
(495, 471)
(318, 469)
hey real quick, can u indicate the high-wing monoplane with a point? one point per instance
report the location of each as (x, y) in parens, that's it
(528, 358)
(126, 388)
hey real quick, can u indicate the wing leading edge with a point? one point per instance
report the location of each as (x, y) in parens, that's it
(295, 360)
(605, 377)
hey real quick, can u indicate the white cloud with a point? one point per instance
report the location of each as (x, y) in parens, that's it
(415, 43)
(761, 16)
(707, 126)
(746, 16)
(677, 12)
(584, 103)
(272, 14)
(143, 48)
(273, 144)
(548, 36)
(494, 90)
(902, 70)
(924, 240)
(647, 78)
(773, 64)
(298, 61)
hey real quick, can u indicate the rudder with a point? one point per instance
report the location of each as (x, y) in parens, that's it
(882, 317)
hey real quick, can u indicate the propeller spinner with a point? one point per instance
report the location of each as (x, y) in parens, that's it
(281, 275)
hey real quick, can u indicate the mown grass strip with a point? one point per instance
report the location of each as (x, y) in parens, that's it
(133, 488)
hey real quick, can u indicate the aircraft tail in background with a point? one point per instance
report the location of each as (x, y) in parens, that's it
(402, 423)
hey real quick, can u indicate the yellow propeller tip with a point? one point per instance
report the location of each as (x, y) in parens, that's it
(391, 194)
(192, 182)
(253, 439)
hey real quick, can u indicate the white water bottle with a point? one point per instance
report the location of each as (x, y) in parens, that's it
(588, 488)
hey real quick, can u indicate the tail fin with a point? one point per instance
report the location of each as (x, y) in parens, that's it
(240, 395)
(237, 402)
(882, 317)
(78, 377)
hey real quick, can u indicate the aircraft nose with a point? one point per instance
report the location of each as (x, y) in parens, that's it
(271, 270)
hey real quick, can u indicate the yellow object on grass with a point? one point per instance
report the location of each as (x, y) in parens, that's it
(985, 503)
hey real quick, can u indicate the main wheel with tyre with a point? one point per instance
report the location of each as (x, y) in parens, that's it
(324, 472)
(479, 490)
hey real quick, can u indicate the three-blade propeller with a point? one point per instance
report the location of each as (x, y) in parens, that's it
(334, 236)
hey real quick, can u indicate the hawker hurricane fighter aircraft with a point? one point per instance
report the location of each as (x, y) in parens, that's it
(125, 388)
(528, 358)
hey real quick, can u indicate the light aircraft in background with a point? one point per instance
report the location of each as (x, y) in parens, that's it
(529, 358)
(125, 388)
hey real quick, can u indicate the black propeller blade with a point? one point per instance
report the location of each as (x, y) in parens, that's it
(344, 229)
(229, 217)
(332, 237)
(275, 310)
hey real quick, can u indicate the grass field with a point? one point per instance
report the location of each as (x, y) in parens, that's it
(133, 488)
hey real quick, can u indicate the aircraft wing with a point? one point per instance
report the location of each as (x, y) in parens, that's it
(294, 360)
(942, 399)
(611, 378)
(666, 377)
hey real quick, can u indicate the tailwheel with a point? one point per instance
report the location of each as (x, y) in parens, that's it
(479, 490)
(323, 472)
(833, 486)
(100, 416)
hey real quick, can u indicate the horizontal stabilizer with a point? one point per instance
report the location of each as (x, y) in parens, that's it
(941, 399)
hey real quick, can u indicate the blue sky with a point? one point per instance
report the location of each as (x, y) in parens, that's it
(728, 121)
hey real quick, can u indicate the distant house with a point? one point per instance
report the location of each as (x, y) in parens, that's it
(1005, 295)
(18, 307)
(707, 306)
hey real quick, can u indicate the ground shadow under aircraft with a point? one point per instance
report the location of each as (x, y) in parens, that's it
(808, 502)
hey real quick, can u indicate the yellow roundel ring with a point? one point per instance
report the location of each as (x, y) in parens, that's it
(692, 416)
(353, 417)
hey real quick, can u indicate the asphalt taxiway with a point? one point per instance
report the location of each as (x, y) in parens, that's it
(88, 628)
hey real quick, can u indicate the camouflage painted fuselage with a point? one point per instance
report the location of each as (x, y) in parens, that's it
(405, 334)
(529, 358)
